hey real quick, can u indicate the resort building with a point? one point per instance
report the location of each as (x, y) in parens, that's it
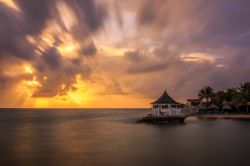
(192, 105)
(193, 102)
(226, 107)
(166, 106)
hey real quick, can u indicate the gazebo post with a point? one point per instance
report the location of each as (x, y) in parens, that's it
(170, 109)
(158, 112)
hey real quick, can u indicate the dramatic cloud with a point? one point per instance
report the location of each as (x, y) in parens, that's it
(74, 51)
(38, 34)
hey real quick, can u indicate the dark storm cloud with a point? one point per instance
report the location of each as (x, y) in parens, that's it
(91, 14)
(141, 63)
(199, 22)
(217, 27)
(220, 28)
(16, 26)
(146, 68)
(35, 14)
(150, 12)
(60, 74)
(134, 56)
(13, 49)
(147, 13)
(224, 22)
(32, 18)
(89, 49)
(52, 59)
(12, 38)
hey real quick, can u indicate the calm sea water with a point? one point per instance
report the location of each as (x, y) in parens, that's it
(111, 137)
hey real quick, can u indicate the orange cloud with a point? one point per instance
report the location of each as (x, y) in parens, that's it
(198, 57)
(11, 4)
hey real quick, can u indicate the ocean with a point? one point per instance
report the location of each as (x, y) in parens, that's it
(75, 137)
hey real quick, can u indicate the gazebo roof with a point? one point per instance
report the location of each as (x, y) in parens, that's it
(165, 99)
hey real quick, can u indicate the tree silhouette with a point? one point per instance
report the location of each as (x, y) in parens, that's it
(206, 94)
(244, 90)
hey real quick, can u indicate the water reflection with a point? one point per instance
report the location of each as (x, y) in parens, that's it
(108, 137)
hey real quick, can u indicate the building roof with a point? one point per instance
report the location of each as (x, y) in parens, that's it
(193, 100)
(226, 107)
(202, 107)
(213, 106)
(165, 99)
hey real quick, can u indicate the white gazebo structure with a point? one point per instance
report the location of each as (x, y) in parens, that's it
(166, 106)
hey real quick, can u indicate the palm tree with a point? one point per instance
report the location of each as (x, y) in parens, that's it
(206, 94)
(232, 96)
(219, 97)
(244, 90)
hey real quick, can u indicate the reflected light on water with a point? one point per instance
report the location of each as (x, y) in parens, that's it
(111, 137)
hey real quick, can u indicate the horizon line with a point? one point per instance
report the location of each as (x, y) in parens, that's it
(73, 108)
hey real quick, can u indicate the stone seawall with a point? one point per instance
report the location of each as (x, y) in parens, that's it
(162, 120)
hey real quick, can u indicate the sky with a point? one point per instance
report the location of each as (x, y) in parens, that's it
(119, 53)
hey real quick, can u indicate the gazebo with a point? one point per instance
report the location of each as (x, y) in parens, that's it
(166, 106)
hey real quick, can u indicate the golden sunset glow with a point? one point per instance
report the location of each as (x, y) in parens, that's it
(100, 53)
(198, 57)
(28, 69)
(13, 71)
(87, 95)
(42, 103)
(112, 51)
(33, 83)
(124, 82)
(69, 50)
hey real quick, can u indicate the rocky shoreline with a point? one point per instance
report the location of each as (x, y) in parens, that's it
(169, 120)
(225, 116)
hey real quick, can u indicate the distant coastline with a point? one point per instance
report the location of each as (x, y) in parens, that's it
(74, 108)
(230, 101)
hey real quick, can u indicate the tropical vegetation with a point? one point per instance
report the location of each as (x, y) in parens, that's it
(234, 100)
